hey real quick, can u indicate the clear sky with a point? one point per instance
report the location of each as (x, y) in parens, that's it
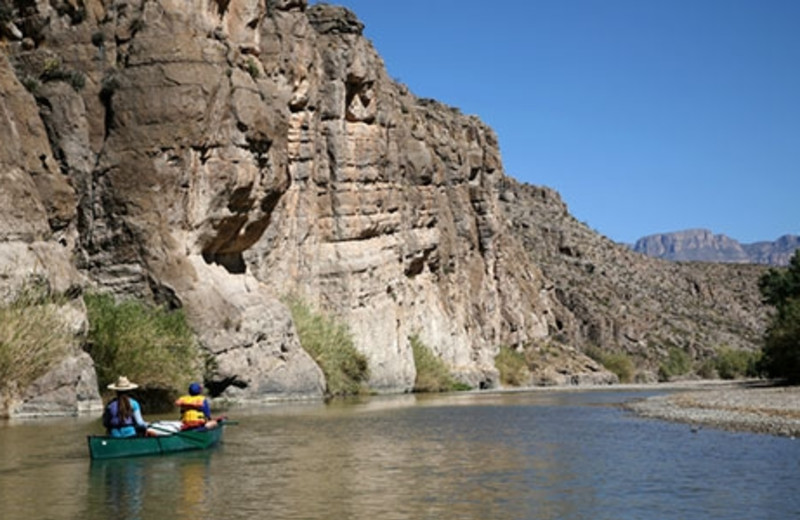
(648, 116)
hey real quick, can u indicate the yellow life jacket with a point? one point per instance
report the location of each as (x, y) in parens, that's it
(191, 407)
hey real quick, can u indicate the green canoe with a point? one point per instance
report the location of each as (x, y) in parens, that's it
(104, 447)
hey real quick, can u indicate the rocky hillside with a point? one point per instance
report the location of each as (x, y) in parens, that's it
(617, 299)
(220, 157)
(702, 245)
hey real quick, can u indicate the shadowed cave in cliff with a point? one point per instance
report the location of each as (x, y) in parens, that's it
(222, 6)
(232, 262)
(216, 388)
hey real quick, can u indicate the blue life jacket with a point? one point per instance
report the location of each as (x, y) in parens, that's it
(116, 425)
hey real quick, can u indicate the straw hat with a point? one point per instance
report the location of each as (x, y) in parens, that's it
(122, 384)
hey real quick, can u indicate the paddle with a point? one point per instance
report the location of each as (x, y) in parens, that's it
(170, 431)
(190, 436)
(221, 421)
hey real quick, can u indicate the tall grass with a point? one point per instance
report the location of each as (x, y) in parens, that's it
(33, 337)
(733, 363)
(150, 345)
(617, 363)
(512, 366)
(330, 344)
(432, 373)
(678, 363)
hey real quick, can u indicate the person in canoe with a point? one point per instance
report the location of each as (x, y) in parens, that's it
(195, 409)
(122, 416)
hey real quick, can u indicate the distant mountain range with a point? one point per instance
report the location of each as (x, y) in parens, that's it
(703, 245)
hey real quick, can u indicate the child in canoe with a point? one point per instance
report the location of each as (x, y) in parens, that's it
(195, 409)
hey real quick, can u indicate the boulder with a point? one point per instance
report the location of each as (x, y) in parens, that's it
(250, 335)
(70, 388)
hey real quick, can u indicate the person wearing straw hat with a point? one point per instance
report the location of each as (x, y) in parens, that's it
(123, 415)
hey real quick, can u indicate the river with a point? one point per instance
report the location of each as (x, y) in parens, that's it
(535, 455)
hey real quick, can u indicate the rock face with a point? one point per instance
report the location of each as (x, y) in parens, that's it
(38, 232)
(69, 388)
(778, 252)
(704, 246)
(223, 156)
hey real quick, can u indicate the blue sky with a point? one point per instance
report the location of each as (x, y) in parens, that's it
(647, 116)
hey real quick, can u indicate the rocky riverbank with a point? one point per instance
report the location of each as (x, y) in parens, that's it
(749, 406)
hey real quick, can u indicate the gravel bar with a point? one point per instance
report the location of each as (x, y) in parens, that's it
(751, 407)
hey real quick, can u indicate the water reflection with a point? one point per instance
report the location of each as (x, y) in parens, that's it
(120, 483)
(147, 487)
(38, 467)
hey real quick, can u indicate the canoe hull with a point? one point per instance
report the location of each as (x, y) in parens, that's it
(103, 447)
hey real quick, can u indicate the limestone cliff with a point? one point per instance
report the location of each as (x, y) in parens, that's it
(222, 156)
(37, 235)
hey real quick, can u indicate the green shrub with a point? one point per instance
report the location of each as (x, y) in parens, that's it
(432, 373)
(252, 68)
(150, 345)
(331, 345)
(678, 363)
(31, 84)
(617, 363)
(512, 366)
(708, 369)
(620, 364)
(781, 353)
(33, 337)
(54, 70)
(77, 80)
(734, 363)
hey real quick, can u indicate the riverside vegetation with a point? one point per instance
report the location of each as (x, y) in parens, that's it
(330, 344)
(757, 408)
(432, 373)
(781, 289)
(346, 370)
(32, 335)
(156, 346)
(151, 345)
(161, 338)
